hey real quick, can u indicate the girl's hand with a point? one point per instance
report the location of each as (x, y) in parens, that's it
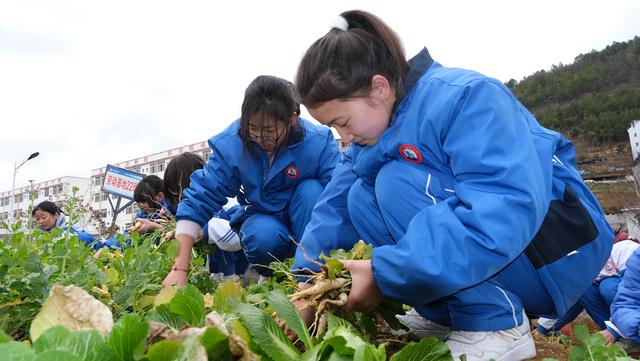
(365, 295)
(308, 314)
(147, 226)
(175, 277)
(608, 337)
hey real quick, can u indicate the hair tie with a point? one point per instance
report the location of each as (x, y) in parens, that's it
(339, 22)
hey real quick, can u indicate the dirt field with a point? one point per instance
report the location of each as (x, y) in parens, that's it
(551, 347)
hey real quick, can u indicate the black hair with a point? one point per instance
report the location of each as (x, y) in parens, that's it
(178, 174)
(341, 64)
(46, 206)
(147, 190)
(271, 97)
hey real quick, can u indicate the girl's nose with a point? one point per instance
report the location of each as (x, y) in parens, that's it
(347, 137)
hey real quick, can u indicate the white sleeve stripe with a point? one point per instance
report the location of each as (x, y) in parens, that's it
(227, 237)
(223, 238)
(218, 228)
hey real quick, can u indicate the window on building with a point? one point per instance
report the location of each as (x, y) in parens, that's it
(161, 166)
(18, 198)
(152, 167)
(105, 196)
(46, 192)
(96, 197)
(97, 181)
(206, 154)
(60, 188)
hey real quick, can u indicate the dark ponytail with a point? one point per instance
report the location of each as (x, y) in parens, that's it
(177, 176)
(340, 64)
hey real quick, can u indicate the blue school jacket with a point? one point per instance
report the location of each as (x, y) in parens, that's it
(515, 188)
(625, 309)
(232, 171)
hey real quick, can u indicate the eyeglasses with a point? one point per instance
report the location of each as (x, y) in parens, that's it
(270, 138)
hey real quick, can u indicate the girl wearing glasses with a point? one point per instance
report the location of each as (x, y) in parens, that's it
(275, 163)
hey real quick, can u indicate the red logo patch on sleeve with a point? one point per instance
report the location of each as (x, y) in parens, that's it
(410, 153)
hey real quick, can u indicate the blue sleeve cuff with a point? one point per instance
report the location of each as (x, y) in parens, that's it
(614, 333)
(205, 233)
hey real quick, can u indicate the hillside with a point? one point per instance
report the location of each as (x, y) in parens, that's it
(594, 98)
(592, 101)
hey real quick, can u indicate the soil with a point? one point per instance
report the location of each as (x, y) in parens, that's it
(551, 347)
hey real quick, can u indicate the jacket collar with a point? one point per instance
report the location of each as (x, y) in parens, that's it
(418, 65)
(296, 133)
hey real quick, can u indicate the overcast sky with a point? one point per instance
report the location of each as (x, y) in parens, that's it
(88, 83)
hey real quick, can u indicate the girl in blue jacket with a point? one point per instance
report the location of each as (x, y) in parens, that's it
(475, 211)
(276, 164)
(625, 309)
(149, 195)
(228, 258)
(47, 216)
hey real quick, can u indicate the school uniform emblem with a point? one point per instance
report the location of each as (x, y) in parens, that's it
(292, 172)
(410, 153)
(609, 267)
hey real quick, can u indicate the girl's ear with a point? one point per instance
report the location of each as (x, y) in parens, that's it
(381, 88)
(294, 119)
(159, 196)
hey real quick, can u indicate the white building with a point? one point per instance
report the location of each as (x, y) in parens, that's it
(56, 190)
(634, 138)
(147, 165)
